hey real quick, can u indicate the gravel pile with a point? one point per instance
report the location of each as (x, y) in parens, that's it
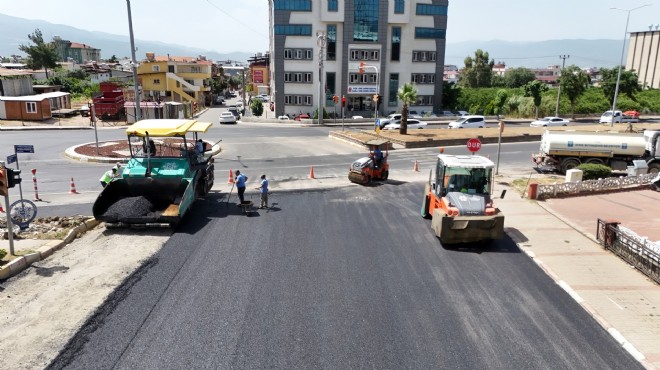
(44, 227)
(130, 207)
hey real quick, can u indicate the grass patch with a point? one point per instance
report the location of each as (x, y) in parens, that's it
(521, 184)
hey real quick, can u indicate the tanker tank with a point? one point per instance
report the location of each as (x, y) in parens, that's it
(619, 144)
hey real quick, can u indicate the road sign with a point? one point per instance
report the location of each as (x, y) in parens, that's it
(11, 159)
(22, 212)
(24, 148)
(474, 145)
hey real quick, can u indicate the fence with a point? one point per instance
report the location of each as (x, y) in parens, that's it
(592, 186)
(637, 251)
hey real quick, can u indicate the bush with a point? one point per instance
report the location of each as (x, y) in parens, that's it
(594, 171)
(3, 253)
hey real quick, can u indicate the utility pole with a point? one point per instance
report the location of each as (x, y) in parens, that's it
(563, 63)
(321, 42)
(134, 63)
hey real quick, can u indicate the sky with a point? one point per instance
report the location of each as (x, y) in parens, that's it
(227, 26)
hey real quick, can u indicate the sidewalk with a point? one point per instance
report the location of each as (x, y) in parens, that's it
(562, 242)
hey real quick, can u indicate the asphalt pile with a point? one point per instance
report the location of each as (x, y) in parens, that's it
(129, 207)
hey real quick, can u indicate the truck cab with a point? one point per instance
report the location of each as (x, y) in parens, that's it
(607, 117)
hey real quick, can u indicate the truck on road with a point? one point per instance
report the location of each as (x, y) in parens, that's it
(459, 200)
(564, 150)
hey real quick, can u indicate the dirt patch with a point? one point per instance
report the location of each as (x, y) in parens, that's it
(120, 149)
(43, 306)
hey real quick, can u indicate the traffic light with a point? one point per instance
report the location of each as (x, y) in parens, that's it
(3, 182)
(343, 101)
(361, 69)
(13, 177)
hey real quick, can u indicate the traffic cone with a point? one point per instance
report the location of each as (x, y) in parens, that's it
(311, 172)
(72, 188)
(231, 178)
(416, 167)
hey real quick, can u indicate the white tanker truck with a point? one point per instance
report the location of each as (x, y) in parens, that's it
(564, 150)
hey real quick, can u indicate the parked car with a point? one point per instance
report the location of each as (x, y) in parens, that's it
(227, 117)
(446, 113)
(462, 113)
(84, 111)
(358, 117)
(607, 117)
(549, 121)
(302, 116)
(469, 122)
(412, 124)
(219, 99)
(283, 118)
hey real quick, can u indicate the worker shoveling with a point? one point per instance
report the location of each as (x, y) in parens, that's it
(167, 172)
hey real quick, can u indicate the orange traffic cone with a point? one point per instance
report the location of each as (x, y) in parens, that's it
(311, 172)
(231, 178)
(416, 167)
(72, 188)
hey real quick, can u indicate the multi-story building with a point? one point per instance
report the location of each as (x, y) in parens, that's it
(317, 48)
(259, 74)
(644, 56)
(80, 53)
(176, 79)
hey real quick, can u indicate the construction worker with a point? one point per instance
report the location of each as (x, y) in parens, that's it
(240, 185)
(377, 156)
(118, 167)
(263, 192)
(108, 176)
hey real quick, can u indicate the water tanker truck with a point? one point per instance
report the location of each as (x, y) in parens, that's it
(459, 200)
(163, 178)
(564, 150)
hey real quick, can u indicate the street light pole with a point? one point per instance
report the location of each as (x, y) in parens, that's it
(623, 48)
(563, 63)
(134, 63)
(321, 41)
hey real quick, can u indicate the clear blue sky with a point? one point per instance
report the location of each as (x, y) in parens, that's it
(242, 25)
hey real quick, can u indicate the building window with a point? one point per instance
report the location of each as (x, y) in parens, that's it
(393, 99)
(157, 81)
(298, 54)
(423, 56)
(298, 100)
(422, 78)
(332, 6)
(196, 69)
(288, 54)
(429, 9)
(399, 6)
(308, 54)
(396, 43)
(424, 100)
(364, 54)
(295, 5)
(293, 29)
(170, 69)
(330, 82)
(31, 107)
(332, 41)
(155, 68)
(365, 18)
(298, 77)
(365, 78)
(429, 33)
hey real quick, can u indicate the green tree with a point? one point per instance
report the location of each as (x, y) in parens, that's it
(408, 95)
(41, 54)
(535, 89)
(478, 71)
(629, 83)
(450, 95)
(113, 59)
(500, 100)
(257, 107)
(518, 77)
(573, 82)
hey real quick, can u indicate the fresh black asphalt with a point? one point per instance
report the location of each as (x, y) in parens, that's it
(341, 279)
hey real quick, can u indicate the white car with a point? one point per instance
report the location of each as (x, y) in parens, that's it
(227, 117)
(549, 121)
(412, 124)
(283, 118)
(469, 122)
(607, 117)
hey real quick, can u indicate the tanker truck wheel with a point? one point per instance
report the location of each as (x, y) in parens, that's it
(595, 161)
(569, 164)
(654, 168)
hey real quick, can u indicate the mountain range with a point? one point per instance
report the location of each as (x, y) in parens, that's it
(539, 54)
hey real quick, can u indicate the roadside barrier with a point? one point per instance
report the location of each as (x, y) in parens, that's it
(416, 166)
(34, 181)
(231, 178)
(72, 188)
(311, 172)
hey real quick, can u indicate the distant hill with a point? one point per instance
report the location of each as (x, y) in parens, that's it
(15, 31)
(584, 53)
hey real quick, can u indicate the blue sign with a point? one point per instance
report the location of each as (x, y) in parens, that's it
(11, 159)
(24, 148)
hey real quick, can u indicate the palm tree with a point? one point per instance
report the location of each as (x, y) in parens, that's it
(408, 95)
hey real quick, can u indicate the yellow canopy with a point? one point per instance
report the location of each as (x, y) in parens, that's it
(166, 127)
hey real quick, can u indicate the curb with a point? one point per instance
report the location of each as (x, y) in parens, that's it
(21, 263)
(71, 153)
(39, 128)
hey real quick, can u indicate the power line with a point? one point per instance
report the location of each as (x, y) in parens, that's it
(236, 20)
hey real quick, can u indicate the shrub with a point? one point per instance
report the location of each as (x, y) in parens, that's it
(3, 253)
(594, 171)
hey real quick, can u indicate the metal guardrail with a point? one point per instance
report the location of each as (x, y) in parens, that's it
(630, 248)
